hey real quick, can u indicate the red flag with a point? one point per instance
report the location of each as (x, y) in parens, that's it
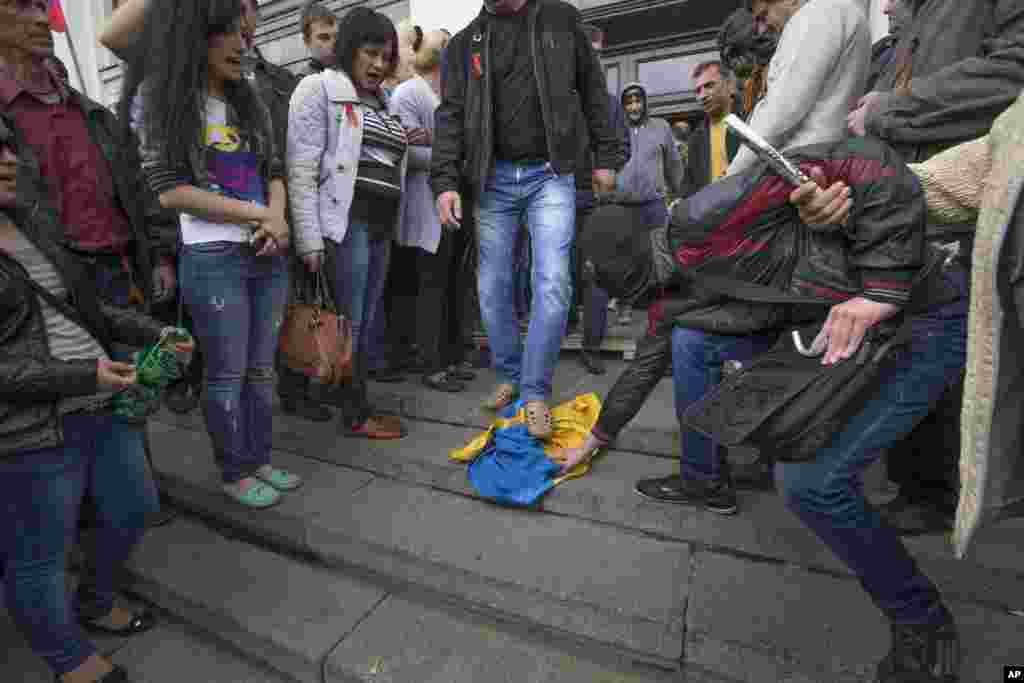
(57, 21)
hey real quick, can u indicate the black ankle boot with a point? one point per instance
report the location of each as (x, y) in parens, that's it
(922, 654)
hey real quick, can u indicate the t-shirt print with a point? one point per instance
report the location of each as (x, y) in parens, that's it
(232, 170)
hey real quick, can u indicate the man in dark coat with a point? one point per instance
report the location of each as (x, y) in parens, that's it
(958, 65)
(713, 145)
(508, 128)
(900, 12)
(586, 294)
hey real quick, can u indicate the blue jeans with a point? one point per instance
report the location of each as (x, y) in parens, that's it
(697, 359)
(357, 270)
(236, 300)
(530, 193)
(40, 495)
(827, 494)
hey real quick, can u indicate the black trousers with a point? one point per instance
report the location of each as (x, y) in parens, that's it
(443, 304)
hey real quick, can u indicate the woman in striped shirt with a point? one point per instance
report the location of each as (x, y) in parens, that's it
(345, 195)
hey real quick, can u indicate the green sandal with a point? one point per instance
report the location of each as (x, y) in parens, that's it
(279, 479)
(257, 496)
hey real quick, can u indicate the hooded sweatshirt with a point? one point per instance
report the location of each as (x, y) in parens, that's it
(655, 167)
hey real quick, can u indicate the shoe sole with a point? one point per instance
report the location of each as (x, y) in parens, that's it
(278, 488)
(349, 434)
(253, 507)
(691, 503)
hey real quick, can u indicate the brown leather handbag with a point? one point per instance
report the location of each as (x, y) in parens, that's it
(315, 339)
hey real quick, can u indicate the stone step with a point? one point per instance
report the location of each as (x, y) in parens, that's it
(764, 528)
(172, 652)
(596, 564)
(313, 625)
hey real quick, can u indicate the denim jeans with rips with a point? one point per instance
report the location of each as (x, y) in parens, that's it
(237, 301)
(546, 202)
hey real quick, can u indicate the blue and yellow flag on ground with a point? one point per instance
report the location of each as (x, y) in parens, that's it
(509, 466)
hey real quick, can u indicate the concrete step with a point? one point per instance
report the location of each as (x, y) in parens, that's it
(992, 575)
(170, 653)
(596, 565)
(313, 625)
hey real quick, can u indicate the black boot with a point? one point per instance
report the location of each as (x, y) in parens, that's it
(922, 654)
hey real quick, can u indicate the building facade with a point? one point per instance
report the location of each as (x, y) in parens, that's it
(656, 42)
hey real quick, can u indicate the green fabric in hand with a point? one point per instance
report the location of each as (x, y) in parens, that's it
(157, 368)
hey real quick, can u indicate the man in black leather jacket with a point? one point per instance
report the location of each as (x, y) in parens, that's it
(508, 128)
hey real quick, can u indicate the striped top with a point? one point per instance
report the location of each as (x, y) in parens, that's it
(67, 339)
(384, 146)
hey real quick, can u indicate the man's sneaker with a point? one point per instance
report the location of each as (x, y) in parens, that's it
(922, 654)
(717, 496)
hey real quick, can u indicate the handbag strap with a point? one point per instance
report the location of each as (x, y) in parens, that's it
(748, 291)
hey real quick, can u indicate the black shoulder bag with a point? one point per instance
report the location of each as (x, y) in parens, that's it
(785, 402)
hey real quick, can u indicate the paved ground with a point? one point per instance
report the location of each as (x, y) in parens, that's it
(387, 567)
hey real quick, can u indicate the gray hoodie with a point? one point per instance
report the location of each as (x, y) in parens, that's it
(655, 167)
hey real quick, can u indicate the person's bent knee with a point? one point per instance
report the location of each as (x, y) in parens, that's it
(690, 344)
(806, 492)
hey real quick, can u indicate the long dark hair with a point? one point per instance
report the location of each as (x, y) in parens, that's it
(169, 68)
(364, 26)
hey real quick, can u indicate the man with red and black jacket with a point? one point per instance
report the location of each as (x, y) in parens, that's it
(876, 268)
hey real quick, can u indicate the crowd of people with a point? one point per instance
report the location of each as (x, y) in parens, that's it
(409, 174)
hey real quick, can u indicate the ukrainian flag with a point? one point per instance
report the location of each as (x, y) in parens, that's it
(508, 466)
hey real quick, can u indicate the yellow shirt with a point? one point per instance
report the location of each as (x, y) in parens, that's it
(719, 154)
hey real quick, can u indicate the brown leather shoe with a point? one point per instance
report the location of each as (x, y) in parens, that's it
(538, 420)
(502, 396)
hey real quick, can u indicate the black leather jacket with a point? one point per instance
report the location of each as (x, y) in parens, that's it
(884, 242)
(569, 79)
(31, 381)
